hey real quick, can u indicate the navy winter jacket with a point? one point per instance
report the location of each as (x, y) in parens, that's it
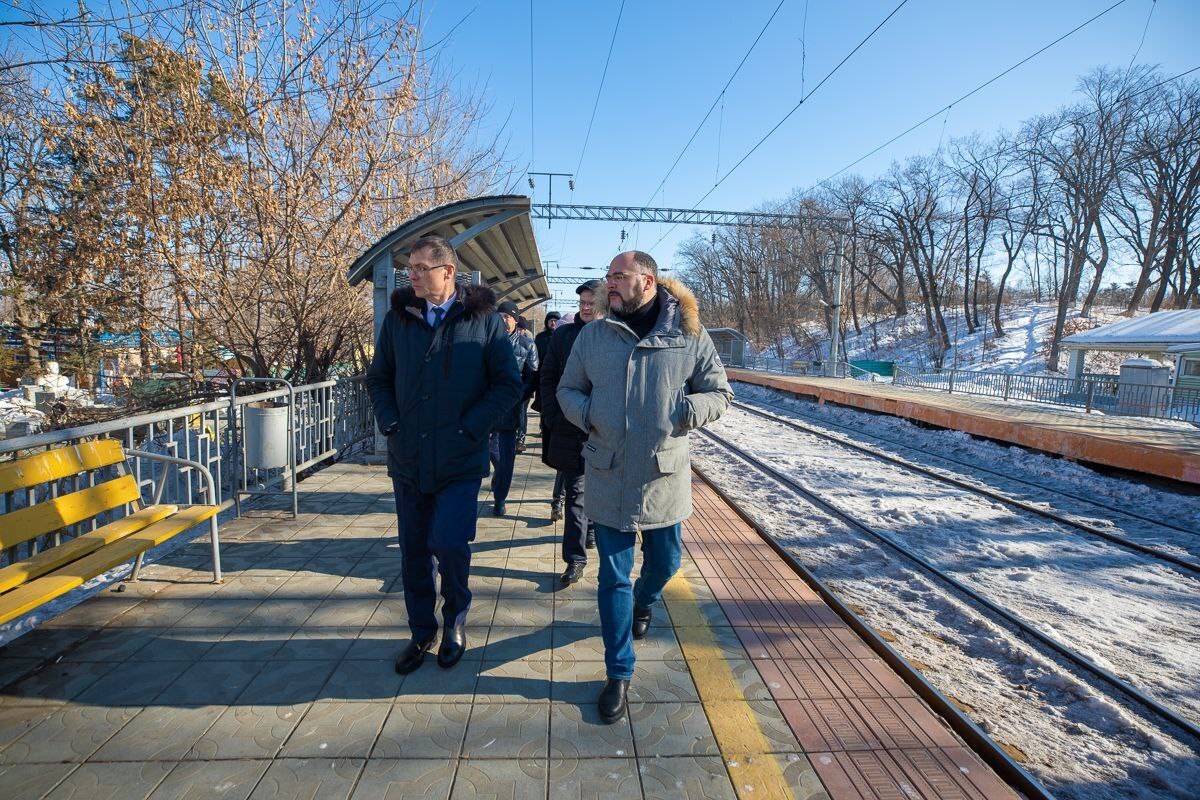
(446, 389)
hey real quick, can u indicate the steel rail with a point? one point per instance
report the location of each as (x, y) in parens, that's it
(1049, 641)
(1034, 484)
(1062, 519)
(983, 745)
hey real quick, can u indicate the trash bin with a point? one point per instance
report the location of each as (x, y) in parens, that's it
(266, 435)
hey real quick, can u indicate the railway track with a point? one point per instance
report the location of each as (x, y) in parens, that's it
(1180, 562)
(1079, 660)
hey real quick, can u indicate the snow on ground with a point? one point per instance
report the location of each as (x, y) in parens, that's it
(1022, 350)
(1133, 615)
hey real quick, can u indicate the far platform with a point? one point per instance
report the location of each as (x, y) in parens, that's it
(1138, 444)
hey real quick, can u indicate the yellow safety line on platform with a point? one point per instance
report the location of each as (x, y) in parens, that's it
(754, 771)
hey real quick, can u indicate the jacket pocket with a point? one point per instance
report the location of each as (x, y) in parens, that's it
(671, 461)
(597, 457)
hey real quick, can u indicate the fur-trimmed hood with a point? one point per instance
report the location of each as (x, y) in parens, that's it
(689, 307)
(477, 301)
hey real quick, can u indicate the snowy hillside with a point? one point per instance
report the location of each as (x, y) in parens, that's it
(1022, 349)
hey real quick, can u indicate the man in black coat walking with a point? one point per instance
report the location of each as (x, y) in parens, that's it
(442, 375)
(542, 343)
(563, 442)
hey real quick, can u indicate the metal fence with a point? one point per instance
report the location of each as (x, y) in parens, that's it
(791, 366)
(331, 419)
(1103, 393)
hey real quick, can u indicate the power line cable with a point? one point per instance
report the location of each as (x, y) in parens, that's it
(977, 89)
(795, 108)
(600, 89)
(532, 126)
(715, 101)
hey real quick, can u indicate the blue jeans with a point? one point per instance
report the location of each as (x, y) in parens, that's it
(442, 526)
(502, 450)
(662, 549)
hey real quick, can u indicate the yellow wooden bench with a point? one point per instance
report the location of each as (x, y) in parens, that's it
(51, 572)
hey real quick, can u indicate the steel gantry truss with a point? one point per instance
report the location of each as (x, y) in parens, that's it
(675, 216)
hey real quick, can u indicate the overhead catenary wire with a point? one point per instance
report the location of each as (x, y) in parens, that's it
(974, 91)
(803, 99)
(600, 89)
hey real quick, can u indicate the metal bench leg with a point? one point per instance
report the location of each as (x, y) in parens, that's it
(137, 568)
(216, 549)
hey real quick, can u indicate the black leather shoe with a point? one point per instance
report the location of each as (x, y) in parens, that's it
(572, 574)
(612, 700)
(413, 655)
(454, 644)
(590, 541)
(498, 509)
(641, 622)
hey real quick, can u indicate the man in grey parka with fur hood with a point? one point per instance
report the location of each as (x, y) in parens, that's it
(636, 382)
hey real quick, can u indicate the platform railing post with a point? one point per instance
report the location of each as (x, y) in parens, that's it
(950, 389)
(1007, 384)
(1091, 392)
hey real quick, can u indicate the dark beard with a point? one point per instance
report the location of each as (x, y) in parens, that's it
(629, 307)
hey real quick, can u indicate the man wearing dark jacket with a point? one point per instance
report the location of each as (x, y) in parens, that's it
(505, 435)
(442, 375)
(563, 442)
(542, 343)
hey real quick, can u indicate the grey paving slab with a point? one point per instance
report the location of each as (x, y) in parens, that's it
(687, 778)
(132, 683)
(110, 644)
(62, 681)
(577, 682)
(247, 732)
(70, 733)
(513, 681)
(159, 733)
(365, 681)
(577, 642)
(249, 644)
(534, 612)
(308, 779)
(520, 779)
(594, 778)
(215, 780)
(672, 729)
(17, 720)
(583, 612)
(288, 682)
(210, 683)
(376, 643)
(31, 781)
(576, 731)
(335, 729)
(507, 730)
(423, 730)
(324, 643)
(14, 669)
(180, 644)
(662, 681)
(410, 779)
(508, 643)
(430, 684)
(115, 781)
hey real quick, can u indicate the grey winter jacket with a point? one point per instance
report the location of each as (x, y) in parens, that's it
(637, 400)
(527, 364)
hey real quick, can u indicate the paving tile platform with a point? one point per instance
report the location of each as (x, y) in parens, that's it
(1166, 449)
(279, 682)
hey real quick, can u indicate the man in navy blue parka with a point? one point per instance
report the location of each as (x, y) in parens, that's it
(443, 373)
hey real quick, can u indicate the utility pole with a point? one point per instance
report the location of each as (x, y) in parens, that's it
(550, 176)
(835, 337)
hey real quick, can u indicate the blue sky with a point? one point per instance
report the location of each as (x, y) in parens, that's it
(670, 60)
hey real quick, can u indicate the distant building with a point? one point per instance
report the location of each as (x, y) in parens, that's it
(731, 346)
(1170, 336)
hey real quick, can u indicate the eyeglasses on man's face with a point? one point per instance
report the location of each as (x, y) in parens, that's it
(621, 277)
(415, 270)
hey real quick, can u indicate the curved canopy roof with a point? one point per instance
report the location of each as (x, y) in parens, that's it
(1147, 333)
(493, 235)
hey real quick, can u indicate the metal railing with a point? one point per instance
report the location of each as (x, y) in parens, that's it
(331, 418)
(790, 366)
(1103, 393)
